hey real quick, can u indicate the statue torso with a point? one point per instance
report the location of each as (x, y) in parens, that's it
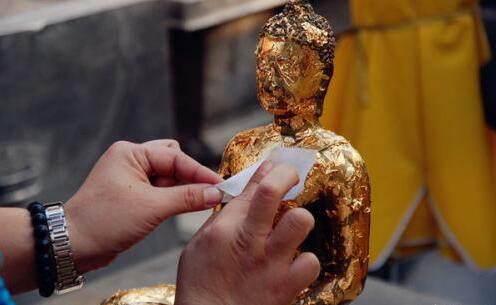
(335, 165)
(336, 193)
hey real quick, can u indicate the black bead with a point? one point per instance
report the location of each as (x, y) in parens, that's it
(39, 219)
(46, 286)
(40, 231)
(45, 271)
(36, 207)
(42, 245)
(46, 276)
(47, 291)
(43, 259)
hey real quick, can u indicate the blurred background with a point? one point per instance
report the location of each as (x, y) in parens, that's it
(78, 75)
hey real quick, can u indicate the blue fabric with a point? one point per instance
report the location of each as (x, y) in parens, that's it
(5, 298)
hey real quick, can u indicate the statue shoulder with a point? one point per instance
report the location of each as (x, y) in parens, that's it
(340, 155)
(344, 166)
(329, 138)
(242, 144)
(247, 138)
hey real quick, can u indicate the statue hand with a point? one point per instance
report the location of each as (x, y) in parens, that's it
(239, 258)
(131, 190)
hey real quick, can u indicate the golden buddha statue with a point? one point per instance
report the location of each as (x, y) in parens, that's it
(294, 67)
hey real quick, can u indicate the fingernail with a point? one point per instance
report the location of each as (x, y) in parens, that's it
(212, 196)
(265, 167)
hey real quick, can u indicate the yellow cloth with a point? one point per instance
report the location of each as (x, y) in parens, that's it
(492, 139)
(406, 93)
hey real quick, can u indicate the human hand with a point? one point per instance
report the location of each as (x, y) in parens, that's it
(131, 190)
(239, 258)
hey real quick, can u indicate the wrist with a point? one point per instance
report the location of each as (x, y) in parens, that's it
(86, 251)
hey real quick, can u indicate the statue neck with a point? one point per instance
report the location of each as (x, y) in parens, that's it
(294, 126)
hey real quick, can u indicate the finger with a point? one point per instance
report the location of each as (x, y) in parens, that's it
(262, 171)
(164, 182)
(174, 163)
(289, 233)
(303, 271)
(242, 202)
(267, 198)
(187, 198)
(169, 143)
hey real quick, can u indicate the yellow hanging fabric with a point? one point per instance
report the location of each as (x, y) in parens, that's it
(406, 93)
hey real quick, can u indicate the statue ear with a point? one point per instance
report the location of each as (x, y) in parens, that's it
(257, 50)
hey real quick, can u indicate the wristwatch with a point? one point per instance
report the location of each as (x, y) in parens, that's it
(68, 279)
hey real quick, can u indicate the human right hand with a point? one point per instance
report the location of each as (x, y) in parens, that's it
(239, 258)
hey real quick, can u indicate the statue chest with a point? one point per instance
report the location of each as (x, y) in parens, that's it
(317, 185)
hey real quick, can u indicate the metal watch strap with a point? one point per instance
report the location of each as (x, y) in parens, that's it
(68, 279)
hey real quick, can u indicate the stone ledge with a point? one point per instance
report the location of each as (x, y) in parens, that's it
(51, 13)
(163, 270)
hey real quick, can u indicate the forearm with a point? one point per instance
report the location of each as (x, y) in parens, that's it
(17, 246)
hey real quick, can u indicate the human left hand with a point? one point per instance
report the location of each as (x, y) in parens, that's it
(131, 190)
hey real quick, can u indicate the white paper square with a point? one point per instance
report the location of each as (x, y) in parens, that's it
(300, 158)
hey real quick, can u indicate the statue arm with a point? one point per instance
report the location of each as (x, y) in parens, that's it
(357, 239)
(225, 170)
(351, 193)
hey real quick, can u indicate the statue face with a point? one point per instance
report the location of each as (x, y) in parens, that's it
(291, 77)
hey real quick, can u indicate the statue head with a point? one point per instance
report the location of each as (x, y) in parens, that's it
(295, 61)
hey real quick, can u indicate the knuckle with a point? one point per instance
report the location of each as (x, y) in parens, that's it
(173, 143)
(243, 198)
(244, 249)
(257, 177)
(312, 261)
(268, 190)
(120, 147)
(299, 220)
(261, 172)
(295, 224)
(215, 234)
(242, 242)
(290, 172)
(314, 267)
(191, 199)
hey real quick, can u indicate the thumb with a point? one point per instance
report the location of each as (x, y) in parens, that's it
(189, 198)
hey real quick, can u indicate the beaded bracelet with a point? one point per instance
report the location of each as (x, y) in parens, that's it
(45, 261)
